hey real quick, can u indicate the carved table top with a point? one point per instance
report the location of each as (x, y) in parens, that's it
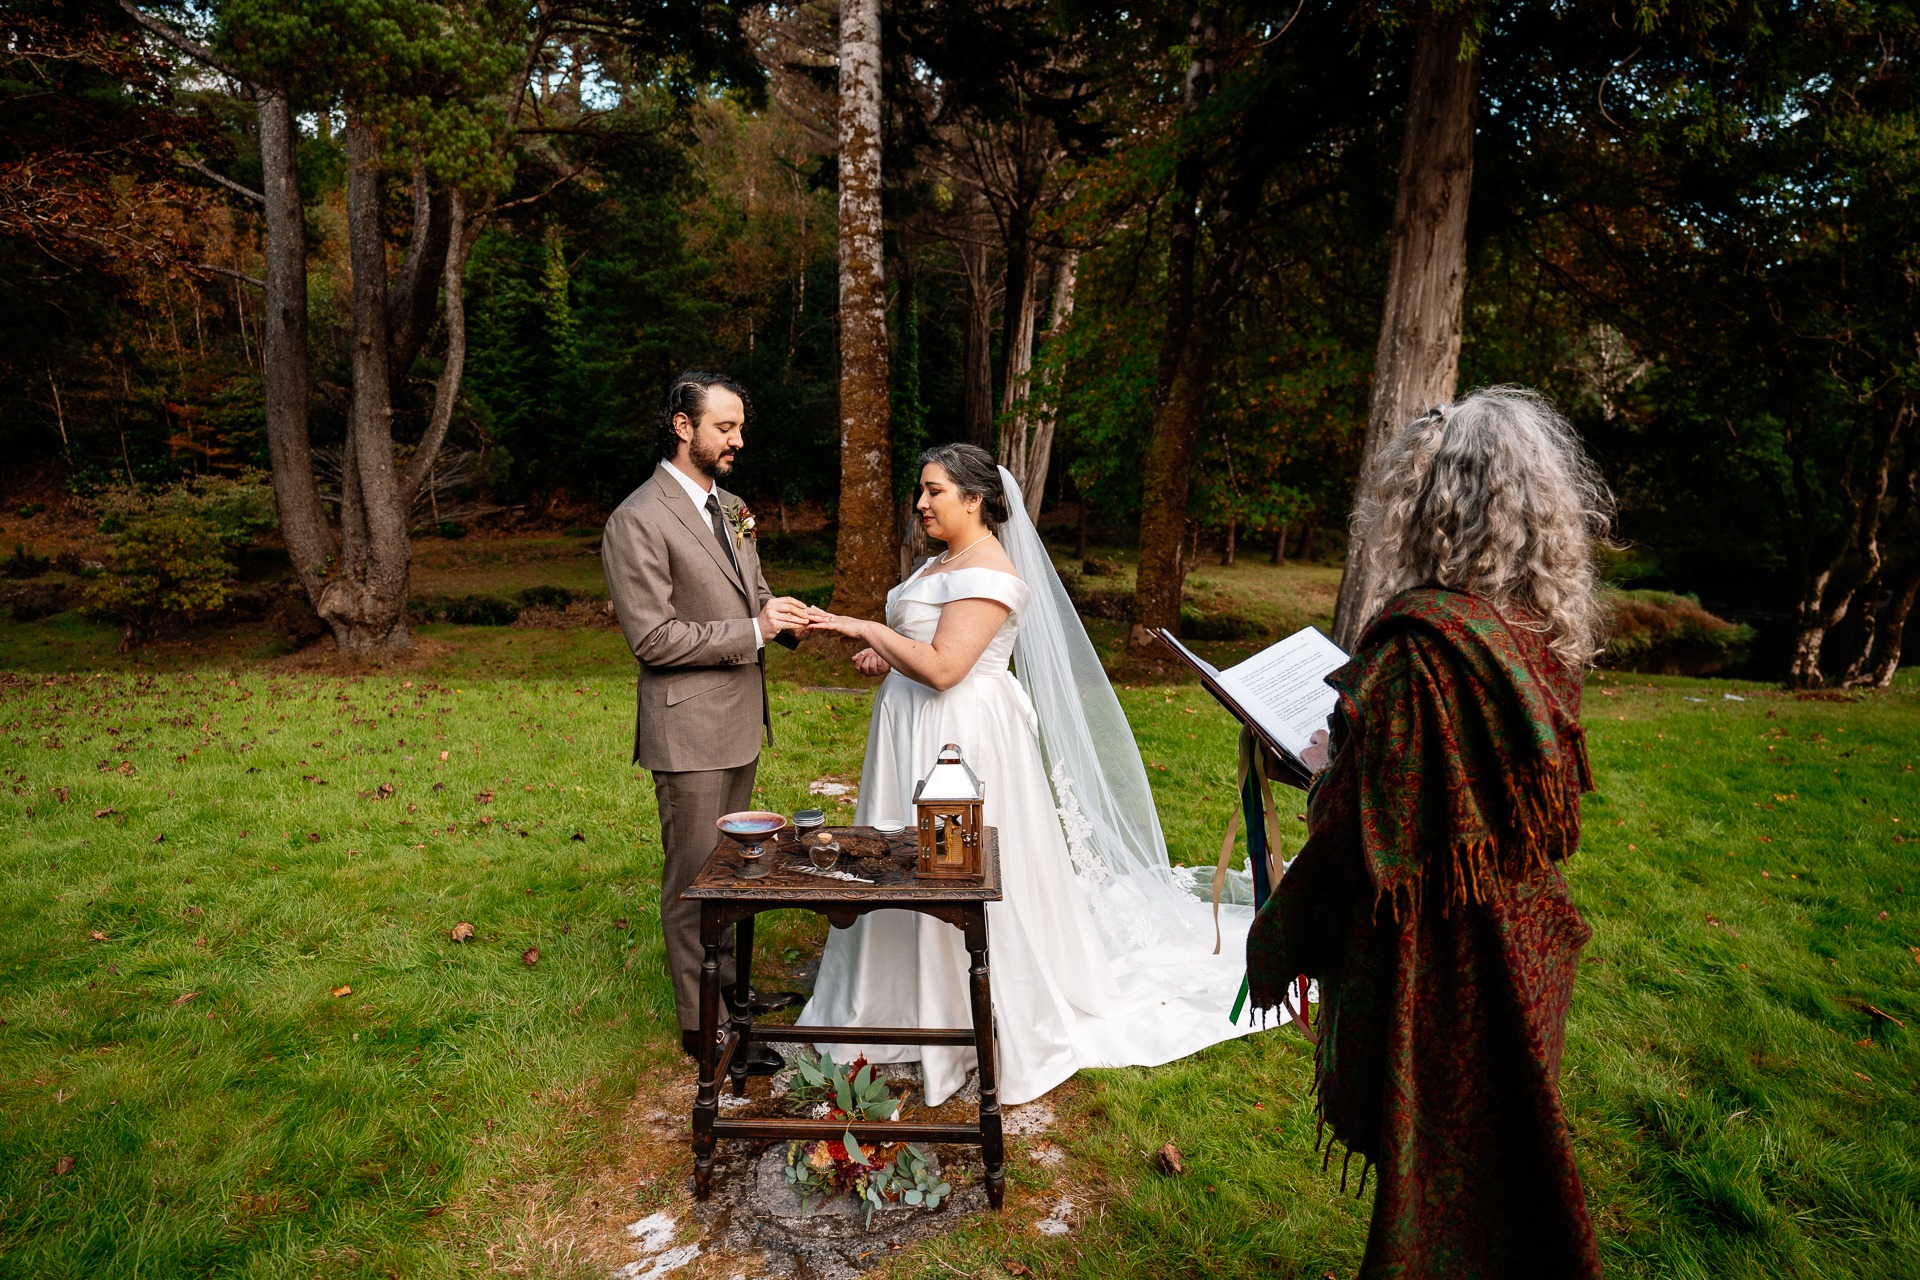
(894, 880)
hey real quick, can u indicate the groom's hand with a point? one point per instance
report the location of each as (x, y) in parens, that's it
(783, 613)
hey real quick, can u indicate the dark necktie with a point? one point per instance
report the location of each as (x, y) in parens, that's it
(720, 530)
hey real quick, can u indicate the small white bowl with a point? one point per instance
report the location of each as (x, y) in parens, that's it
(889, 826)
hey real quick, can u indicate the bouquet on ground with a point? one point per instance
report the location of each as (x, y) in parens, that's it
(889, 1173)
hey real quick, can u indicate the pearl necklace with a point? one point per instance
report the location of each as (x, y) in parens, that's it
(947, 556)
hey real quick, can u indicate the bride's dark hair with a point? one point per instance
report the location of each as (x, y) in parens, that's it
(973, 472)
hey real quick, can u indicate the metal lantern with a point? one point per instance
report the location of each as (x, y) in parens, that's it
(948, 804)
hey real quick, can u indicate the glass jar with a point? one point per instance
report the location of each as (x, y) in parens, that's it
(805, 823)
(823, 850)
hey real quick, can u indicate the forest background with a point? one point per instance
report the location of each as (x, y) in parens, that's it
(1691, 225)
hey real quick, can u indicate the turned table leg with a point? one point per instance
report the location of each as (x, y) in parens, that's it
(706, 1103)
(742, 1015)
(992, 1146)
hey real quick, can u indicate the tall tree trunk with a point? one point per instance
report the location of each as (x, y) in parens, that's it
(1417, 363)
(1226, 553)
(1892, 631)
(1016, 311)
(1026, 445)
(1280, 546)
(864, 560)
(976, 397)
(1829, 589)
(1185, 368)
(366, 604)
(283, 349)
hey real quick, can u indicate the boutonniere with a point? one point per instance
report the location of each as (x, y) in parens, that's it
(740, 517)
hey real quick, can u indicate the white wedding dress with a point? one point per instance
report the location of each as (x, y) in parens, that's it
(1091, 967)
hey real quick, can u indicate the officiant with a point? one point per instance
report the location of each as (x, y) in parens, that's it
(1429, 903)
(685, 578)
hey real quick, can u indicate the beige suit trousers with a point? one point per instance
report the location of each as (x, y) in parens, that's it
(690, 804)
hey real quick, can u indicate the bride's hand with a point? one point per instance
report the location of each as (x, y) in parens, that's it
(835, 623)
(869, 663)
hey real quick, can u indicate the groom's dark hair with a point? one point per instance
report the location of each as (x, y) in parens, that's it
(687, 394)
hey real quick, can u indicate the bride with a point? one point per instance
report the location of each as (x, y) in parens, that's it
(1102, 953)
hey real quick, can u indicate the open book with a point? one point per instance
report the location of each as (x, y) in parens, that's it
(1280, 693)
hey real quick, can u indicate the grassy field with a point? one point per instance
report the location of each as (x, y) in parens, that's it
(197, 859)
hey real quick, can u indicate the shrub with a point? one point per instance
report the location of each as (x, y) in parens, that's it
(24, 564)
(450, 529)
(294, 620)
(818, 597)
(175, 548)
(480, 611)
(581, 531)
(1102, 568)
(547, 597)
(1644, 621)
(41, 600)
(1195, 625)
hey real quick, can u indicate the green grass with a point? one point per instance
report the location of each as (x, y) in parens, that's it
(265, 1127)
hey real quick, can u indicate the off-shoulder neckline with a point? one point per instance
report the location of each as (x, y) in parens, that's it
(924, 576)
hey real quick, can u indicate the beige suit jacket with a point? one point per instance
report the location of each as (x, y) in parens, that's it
(688, 617)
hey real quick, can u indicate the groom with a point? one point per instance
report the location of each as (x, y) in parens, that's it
(686, 582)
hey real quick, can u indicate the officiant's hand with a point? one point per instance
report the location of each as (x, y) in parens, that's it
(1315, 756)
(869, 663)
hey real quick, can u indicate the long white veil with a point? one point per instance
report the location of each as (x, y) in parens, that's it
(1146, 906)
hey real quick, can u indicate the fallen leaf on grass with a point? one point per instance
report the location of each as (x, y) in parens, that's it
(443, 756)
(104, 813)
(1864, 1076)
(180, 1000)
(462, 932)
(530, 957)
(63, 1166)
(97, 936)
(483, 797)
(576, 836)
(342, 991)
(1017, 1269)
(159, 838)
(620, 923)
(313, 837)
(1167, 1161)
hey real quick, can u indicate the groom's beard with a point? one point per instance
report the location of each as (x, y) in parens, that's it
(711, 464)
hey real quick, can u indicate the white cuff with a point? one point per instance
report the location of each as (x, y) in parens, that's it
(759, 641)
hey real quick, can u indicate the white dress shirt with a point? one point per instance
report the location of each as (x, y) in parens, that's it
(698, 491)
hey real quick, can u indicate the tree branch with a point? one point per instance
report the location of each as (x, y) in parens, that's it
(179, 40)
(224, 181)
(255, 281)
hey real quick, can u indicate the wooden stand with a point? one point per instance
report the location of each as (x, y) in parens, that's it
(726, 899)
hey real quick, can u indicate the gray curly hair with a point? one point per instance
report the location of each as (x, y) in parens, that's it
(1493, 495)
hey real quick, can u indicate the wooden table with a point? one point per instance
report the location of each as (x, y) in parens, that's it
(726, 899)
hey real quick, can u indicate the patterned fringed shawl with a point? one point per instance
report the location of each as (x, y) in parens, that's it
(1428, 906)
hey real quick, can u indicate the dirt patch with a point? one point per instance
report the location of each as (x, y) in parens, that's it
(323, 657)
